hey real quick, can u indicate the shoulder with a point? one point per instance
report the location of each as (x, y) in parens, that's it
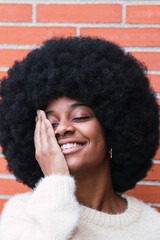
(150, 214)
(149, 217)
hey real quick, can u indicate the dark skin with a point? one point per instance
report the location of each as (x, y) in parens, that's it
(66, 121)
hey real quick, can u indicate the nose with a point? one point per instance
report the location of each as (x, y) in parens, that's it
(63, 128)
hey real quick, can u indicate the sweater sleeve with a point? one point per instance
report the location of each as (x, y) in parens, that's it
(50, 212)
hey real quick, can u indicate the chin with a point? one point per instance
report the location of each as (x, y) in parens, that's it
(73, 165)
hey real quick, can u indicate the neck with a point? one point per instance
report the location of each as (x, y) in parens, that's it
(95, 190)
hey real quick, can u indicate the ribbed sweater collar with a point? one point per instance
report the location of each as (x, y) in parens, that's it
(130, 215)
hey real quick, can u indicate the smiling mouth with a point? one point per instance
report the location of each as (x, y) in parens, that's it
(72, 147)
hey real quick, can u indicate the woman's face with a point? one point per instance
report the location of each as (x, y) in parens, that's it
(78, 133)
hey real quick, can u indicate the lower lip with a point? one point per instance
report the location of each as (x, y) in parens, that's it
(72, 150)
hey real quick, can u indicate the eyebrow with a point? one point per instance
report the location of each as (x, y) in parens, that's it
(72, 106)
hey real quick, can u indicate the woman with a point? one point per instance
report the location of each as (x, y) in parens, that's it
(79, 125)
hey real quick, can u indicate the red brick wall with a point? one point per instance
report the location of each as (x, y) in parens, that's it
(135, 25)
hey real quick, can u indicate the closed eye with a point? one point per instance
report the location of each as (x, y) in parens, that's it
(54, 125)
(81, 118)
(74, 119)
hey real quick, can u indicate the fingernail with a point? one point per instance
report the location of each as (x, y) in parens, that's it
(40, 113)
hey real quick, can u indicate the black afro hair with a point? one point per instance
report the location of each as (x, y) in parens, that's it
(93, 71)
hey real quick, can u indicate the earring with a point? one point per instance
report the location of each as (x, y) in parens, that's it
(110, 152)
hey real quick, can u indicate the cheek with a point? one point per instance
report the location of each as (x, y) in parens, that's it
(98, 138)
(94, 133)
(88, 130)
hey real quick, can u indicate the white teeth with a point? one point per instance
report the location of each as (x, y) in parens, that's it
(70, 145)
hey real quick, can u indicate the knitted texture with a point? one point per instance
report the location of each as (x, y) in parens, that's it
(139, 221)
(51, 212)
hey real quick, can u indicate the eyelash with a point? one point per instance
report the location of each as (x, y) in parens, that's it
(86, 117)
(78, 118)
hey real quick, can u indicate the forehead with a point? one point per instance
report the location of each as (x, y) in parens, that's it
(65, 101)
(64, 104)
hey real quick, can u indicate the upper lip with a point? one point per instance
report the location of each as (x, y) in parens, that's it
(65, 141)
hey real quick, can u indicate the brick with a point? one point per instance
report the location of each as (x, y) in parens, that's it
(157, 156)
(157, 208)
(149, 14)
(11, 187)
(154, 172)
(3, 166)
(94, 13)
(32, 35)
(126, 36)
(155, 81)
(147, 193)
(15, 12)
(150, 59)
(2, 202)
(8, 56)
(3, 74)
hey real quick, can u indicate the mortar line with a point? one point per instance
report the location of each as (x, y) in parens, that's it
(78, 31)
(149, 182)
(123, 13)
(79, 24)
(33, 13)
(4, 196)
(127, 49)
(7, 176)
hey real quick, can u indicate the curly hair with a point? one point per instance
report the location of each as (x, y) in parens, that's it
(90, 70)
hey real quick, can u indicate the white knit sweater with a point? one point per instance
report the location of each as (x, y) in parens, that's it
(51, 212)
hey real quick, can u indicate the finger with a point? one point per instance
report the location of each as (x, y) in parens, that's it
(43, 137)
(37, 141)
(43, 131)
(52, 141)
(43, 114)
